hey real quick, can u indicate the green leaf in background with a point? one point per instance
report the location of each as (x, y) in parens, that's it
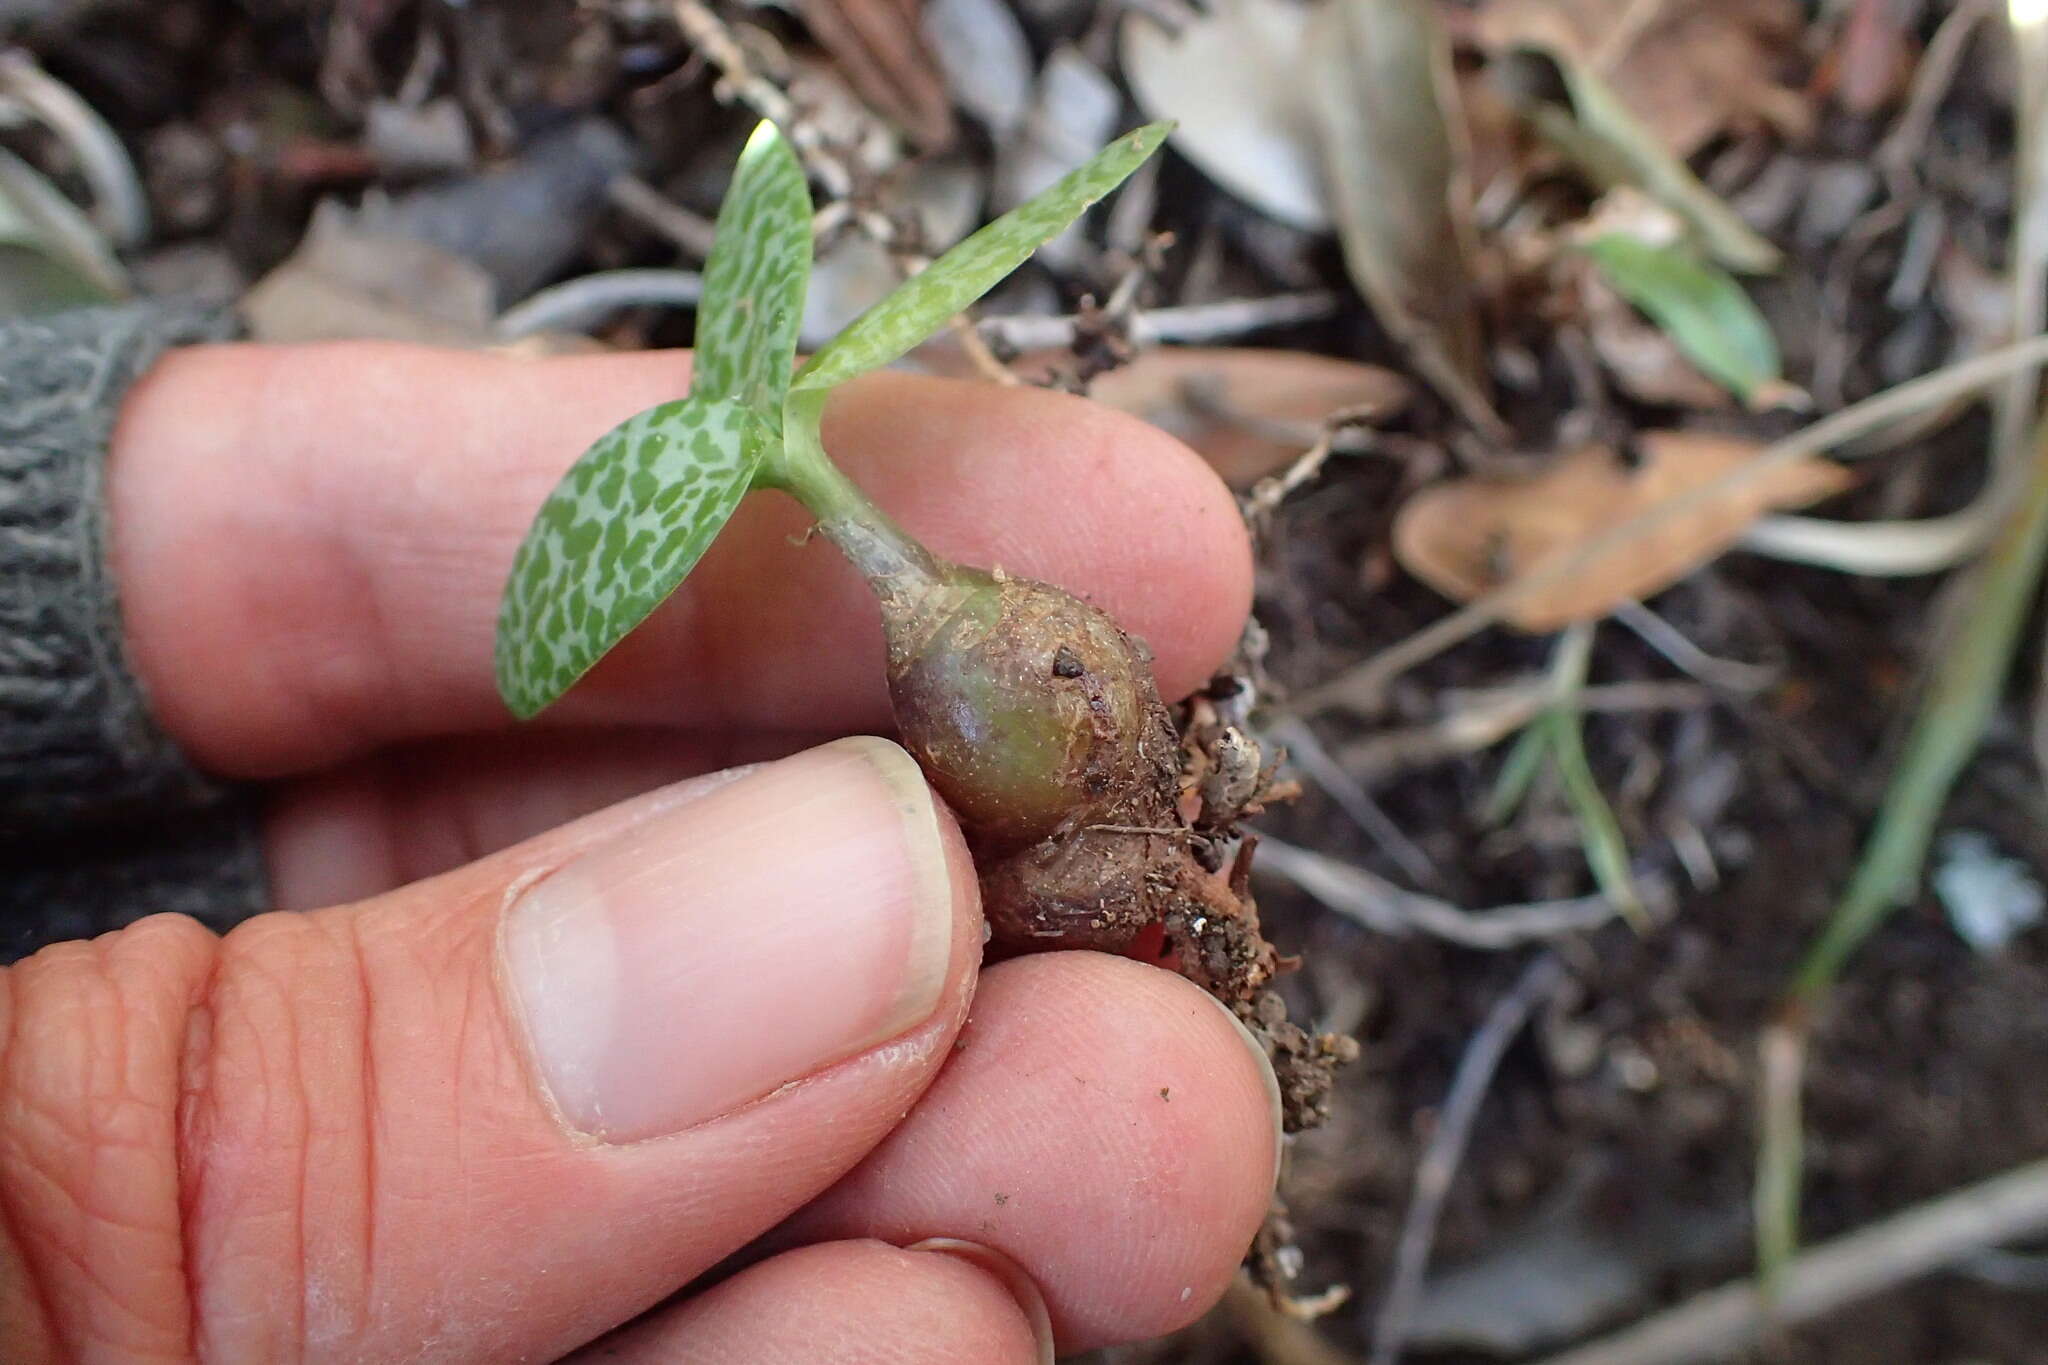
(754, 280)
(626, 524)
(1699, 306)
(929, 300)
(1582, 116)
(51, 255)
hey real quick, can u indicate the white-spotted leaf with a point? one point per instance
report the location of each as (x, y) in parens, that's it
(754, 280)
(930, 299)
(626, 524)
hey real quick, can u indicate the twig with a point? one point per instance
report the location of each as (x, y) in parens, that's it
(2006, 1208)
(708, 33)
(1668, 640)
(1899, 154)
(1385, 908)
(1270, 492)
(692, 232)
(1539, 981)
(1306, 751)
(978, 353)
(2016, 406)
(2006, 1270)
(120, 208)
(1362, 687)
(1490, 715)
(1191, 323)
(575, 305)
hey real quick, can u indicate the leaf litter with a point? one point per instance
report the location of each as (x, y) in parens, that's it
(1473, 536)
(1747, 124)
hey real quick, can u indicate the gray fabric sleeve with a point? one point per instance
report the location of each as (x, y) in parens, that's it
(101, 819)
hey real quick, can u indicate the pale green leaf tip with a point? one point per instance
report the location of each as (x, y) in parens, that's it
(762, 141)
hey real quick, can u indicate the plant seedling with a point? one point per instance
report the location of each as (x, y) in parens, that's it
(1030, 711)
(636, 512)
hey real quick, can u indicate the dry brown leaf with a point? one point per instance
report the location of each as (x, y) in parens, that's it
(1690, 71)
(348, 281)
(1471, 536)
(1230, 79)
(1395, 159)
(880, 46)
(1249, 412)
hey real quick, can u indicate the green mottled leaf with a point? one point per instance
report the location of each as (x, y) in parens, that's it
(1699, 306)
(754, 280)
(621, 530)
(928, 300)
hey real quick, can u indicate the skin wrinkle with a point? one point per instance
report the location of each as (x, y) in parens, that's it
(10, 1236)
(255, 1048)
(369, 1106)
(78, 1039)
(490, 1278)
(191, 1079)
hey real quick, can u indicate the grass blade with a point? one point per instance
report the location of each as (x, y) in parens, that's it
(1599, 831)
(1959, 705)
(930, 299)
(1518, 774)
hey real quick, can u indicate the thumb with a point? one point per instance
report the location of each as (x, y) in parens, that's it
(500, 1111)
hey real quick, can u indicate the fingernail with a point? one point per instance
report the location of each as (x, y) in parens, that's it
(1013, 1278)
(783, 922)
(1266, 1073)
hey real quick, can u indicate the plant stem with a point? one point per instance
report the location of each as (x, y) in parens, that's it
(890, 559)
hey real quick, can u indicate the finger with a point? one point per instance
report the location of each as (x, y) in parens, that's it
(311, 543)
(500, 1112)
(845, 1303)
(417, 810)
(1104, 1124)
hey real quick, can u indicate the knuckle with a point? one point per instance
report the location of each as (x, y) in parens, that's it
(196, 1133)
(91, 1038)
(273, 1158)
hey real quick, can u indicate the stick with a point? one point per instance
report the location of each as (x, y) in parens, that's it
(1308, 754)
(708, 34)
(691, 232)
(578, 304)
(1385, 908)
(1195, 322)
(1539, 981)
(2007, 1208)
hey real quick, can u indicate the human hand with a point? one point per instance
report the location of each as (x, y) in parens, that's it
(550, 1059)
